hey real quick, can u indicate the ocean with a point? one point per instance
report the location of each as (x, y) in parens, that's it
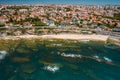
(55, 59)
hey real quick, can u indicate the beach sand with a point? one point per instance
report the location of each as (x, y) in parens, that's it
(61, 36)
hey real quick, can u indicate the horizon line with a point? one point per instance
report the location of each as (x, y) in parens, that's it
(54, 4)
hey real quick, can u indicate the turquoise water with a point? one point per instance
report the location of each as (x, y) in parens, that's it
(59, 60)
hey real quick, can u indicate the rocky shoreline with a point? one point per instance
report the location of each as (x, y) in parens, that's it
(114, 40)
(94, 37)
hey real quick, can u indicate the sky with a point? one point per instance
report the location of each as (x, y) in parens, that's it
(97, 2)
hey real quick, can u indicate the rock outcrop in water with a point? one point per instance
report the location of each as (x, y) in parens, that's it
(20, 59)
(28, 68)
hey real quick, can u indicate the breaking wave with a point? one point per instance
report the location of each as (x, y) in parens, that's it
(107, 59)
(52, 68)
(71, 55)
(3, 54)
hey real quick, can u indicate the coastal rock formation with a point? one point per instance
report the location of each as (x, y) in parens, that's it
(28, 68)
(20, 59)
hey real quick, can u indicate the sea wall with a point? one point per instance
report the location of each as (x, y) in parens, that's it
(114, 40)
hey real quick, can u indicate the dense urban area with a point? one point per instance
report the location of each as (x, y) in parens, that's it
(54, 19)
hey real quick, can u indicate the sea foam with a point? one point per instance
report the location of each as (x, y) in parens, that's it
(57, 44)
(97, 58)
(107, 59)
(71, 55)
(3, 54)
(85, 41)
(52, 68)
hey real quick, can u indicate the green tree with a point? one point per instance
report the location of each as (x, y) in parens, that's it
(1, 24)
(117, 16)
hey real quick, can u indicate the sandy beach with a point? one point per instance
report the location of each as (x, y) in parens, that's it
(77, 37)
(61, 36)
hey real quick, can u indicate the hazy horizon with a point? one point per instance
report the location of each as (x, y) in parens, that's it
(87, 2)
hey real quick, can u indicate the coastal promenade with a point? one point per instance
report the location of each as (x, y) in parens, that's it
(61, 36)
